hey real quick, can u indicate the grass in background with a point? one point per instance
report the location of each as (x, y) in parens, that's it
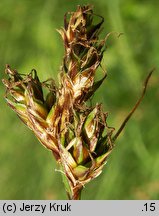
(29, 40)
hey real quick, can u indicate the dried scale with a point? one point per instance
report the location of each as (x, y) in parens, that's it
(77, 135)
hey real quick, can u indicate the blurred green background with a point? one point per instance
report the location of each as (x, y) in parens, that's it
(28, 39)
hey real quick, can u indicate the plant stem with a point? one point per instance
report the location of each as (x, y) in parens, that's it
(76, 193)
(73, 193)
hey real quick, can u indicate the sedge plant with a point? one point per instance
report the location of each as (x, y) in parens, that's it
(77, 134)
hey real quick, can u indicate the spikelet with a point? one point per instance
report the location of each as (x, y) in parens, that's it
(77, 135)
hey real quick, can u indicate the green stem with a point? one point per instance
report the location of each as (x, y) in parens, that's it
(73, 193)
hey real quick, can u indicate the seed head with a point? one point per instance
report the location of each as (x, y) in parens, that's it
(77, 134)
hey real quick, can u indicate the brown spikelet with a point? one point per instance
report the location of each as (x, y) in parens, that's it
(78, 135)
